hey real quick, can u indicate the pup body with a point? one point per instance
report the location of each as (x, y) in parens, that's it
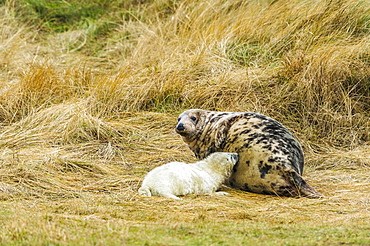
(270, 158)
(178, 178)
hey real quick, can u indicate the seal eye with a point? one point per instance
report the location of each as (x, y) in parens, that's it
(193, 118)
(178, 119)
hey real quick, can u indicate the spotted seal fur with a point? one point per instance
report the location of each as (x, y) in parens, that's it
(271, 159)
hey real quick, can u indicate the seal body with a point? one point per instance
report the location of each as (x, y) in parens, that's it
(271, 159)
(178, 178)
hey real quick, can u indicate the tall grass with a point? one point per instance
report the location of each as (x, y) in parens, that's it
(305, 63)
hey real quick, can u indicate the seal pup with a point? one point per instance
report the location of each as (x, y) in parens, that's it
(178, 178)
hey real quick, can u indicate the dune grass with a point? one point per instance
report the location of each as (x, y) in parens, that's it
(89, 96)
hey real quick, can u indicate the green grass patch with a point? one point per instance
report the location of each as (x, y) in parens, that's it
(247, 233)
(50, 230)
(60, 16)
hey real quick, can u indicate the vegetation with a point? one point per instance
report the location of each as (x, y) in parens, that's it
(90, 92)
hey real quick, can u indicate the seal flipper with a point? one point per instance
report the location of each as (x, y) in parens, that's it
(303, 188)
(169, 195)
(144, 191)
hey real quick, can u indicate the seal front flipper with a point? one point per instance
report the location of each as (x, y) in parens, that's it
(302, 188)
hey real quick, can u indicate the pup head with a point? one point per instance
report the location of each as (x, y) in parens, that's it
(223, 159)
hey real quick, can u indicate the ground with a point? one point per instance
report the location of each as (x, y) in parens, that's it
(86, 194)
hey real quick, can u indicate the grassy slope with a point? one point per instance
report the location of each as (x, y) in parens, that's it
(88, 104)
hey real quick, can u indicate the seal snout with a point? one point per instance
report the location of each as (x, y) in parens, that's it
(180, 127)
(234, 157)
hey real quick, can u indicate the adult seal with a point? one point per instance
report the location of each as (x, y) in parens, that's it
(270, 157)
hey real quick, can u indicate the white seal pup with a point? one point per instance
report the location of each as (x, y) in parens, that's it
(178, 178)
(270, 157)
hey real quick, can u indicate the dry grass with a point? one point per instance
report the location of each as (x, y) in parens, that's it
(86, 193)
(83, 118)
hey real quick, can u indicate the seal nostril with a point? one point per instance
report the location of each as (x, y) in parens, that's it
(180, 127)
(234, 157)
